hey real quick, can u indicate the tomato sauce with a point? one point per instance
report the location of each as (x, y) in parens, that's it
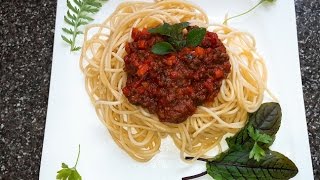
(173, 85)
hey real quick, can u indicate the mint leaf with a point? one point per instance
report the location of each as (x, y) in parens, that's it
(162, 48)
(164, 29)
(195, 36)
(173, 32)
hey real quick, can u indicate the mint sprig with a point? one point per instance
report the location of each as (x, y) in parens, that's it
(78, 14)
(175, 38)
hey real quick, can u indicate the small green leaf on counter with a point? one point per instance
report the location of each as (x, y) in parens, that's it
(162, 48)
(67, 173)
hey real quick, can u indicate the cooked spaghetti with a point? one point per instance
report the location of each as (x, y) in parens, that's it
(133, 128)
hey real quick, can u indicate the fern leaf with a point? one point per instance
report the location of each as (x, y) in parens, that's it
(72, 8)
(78, 14)
(76, 48)
(70, 22)
(83, 16)
(71, 16)
(69, 41)
(81, 22)
(78, 3)
(94, 4)
(68, 31)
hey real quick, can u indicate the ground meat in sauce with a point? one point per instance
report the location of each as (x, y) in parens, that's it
(173, 85)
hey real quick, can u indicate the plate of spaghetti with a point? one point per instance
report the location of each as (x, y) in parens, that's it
(163, 85)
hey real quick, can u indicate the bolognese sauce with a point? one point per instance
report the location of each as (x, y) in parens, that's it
(173, 85)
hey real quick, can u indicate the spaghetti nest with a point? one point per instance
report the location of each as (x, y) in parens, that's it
(137, 131)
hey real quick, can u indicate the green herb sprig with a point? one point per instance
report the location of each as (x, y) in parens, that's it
(249, 156)
(248, 11)
(67, 173)
(258, 152)
(78, 14)
(176, 39)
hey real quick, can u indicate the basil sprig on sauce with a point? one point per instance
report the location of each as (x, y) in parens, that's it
(239, 161)
(176, 40)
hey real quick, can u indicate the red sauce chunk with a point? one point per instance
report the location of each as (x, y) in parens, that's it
(173, 85)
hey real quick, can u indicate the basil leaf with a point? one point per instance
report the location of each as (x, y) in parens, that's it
(178, 44)
(164, 29)
(195, 36)
(237, 165)
(174, 31)
(162, 48)
(266, 120)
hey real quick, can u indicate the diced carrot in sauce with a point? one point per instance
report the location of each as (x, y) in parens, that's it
(171, 60)
(218, 73)
(173, 85)
(143, 69)
(135, 33)
(199, 51)
(142, 44)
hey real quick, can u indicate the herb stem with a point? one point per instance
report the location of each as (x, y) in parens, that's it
(75, 28)
(199, 159)
(195, 176)
(261, 1)
(77, 158)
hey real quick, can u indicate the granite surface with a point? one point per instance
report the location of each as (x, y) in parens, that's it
(26, 42)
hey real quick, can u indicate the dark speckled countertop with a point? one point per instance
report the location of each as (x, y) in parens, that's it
(26, 42)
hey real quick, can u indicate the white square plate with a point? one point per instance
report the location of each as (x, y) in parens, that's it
(71, 119)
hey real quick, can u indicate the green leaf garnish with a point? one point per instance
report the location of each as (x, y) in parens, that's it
(249, 156)
(174, 31)
(256, 152)
(195, 36)
(78, 14)
(162, 48)
(237, 165)
(176, 38)
(266, 120)
(248, 11)
(258, 137)
(67, 173)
